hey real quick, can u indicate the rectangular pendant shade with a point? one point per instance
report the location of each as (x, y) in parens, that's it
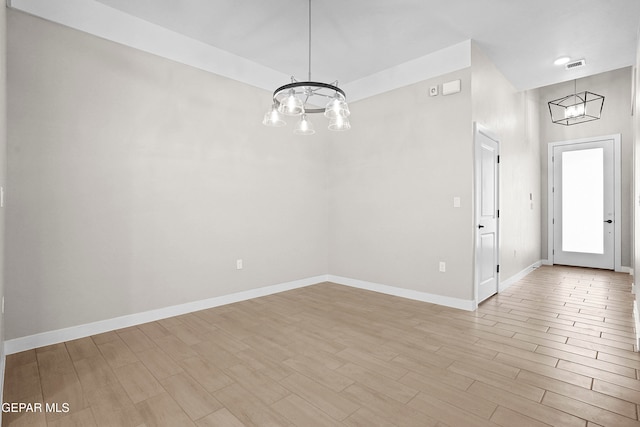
(576, 108)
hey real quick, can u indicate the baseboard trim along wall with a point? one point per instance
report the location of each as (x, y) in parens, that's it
(636, 318)
(627, 270)
(462, 304)
(516, 277)
(620, 269)
(3, 363)
(17, 345)
(67, 334)
(75, 332)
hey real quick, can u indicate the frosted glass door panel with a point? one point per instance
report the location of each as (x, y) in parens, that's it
(583, 201)
(583, 222)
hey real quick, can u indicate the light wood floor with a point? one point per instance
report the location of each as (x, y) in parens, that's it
(554, 349)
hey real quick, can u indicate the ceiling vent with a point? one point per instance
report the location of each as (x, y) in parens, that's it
(575, 64)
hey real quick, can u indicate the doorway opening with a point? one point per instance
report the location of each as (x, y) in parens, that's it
(487, 215)
(584, 226)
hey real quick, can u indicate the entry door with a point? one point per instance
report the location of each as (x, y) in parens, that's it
(584, 204)
(486, 178)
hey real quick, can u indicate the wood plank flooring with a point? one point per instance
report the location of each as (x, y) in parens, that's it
(555, 349)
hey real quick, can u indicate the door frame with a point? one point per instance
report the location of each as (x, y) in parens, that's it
(617, 202)
(480, 129)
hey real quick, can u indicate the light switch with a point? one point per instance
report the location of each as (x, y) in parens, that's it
(456, 202)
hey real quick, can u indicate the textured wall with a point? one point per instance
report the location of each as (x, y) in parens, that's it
(513, 117)
(136, 183)
(392, 184)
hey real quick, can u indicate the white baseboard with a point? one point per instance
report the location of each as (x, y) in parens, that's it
(636, 317)
(516, 277)
(3, 364)
(462, 304)
(621, 269)
(17, 345)
(624, 269)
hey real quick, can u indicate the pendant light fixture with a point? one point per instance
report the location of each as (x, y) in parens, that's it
(298, 99)
(579, 107)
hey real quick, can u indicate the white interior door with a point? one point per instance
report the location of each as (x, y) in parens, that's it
(584, 204)
(487, 241)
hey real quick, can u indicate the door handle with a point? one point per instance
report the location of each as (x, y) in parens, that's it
(481, 226)
(608, 221)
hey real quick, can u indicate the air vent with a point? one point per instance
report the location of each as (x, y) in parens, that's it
(575, 64)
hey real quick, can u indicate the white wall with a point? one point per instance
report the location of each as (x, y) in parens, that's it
(513, 117)
(635, 202)
(391, 186)
(3, 170)
(136, 183)
(615, 86)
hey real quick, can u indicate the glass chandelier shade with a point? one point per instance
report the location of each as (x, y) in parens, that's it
(336, 107)
(291, 105)
(304, 126)
(339, 123)
(273, 118)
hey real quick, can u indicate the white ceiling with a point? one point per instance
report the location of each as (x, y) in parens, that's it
(353, 39)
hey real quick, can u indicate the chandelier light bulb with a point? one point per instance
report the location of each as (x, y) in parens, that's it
(573, 111)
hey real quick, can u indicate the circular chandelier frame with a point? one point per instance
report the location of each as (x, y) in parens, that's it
(310, 90)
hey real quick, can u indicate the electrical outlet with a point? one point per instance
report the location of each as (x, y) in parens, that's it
(442, 267)
(238, 264)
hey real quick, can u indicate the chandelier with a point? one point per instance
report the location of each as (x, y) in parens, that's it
(578, 107)
(298, 99)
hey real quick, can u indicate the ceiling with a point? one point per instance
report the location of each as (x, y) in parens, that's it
(353, 39)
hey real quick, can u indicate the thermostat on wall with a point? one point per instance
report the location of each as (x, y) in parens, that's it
(451, 87)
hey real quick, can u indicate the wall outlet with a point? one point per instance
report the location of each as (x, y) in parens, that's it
(442, 267)
(238, 264)
(433, 91)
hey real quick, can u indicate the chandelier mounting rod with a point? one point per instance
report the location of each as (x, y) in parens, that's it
(309, 40)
